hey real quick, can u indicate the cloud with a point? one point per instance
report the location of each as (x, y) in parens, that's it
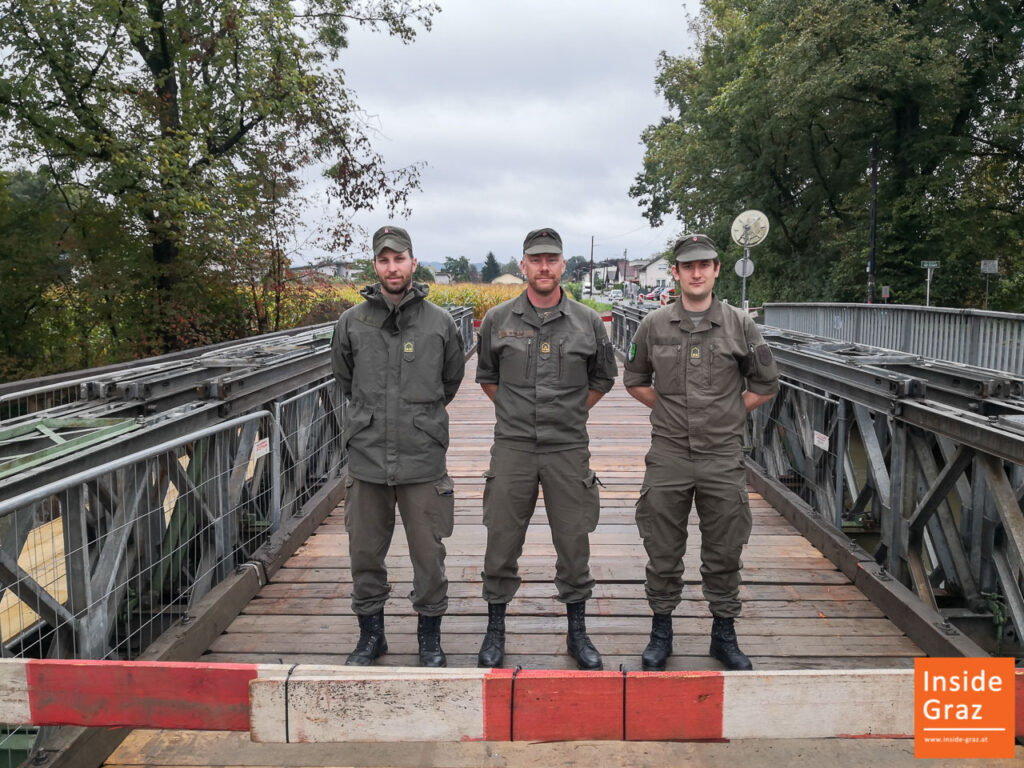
(526, 114)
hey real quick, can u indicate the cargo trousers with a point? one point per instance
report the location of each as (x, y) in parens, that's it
(428, 516)
(573, 504)
(672, 483)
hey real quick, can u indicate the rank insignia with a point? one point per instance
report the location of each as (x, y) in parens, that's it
(632, 352)
(408, 348)
(695, 353)
(545, 347)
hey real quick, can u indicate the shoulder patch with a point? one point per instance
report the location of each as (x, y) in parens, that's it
(764, 354)
(631, 355)
(609, 351)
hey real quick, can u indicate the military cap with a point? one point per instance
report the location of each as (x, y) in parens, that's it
(395, 238)
(694, 248)
(544, 240)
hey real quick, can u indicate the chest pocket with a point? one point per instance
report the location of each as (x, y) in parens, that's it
(516, 353)
(422, 360)
(669, 372)
(574, 353)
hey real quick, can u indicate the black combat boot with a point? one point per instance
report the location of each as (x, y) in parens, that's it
(579, 645)
(492, 650)
(372, 642)
(428, 633)
(724, 646)
(660, 647)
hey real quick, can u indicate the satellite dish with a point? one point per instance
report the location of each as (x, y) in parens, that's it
(749, 228)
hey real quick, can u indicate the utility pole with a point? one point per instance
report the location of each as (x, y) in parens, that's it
(874, 219)
(591, 266)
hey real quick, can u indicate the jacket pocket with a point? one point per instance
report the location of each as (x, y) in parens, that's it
(422, 360)
(358, 420)
(431, 428)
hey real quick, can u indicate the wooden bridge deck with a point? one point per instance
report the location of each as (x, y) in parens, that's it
(799, 611)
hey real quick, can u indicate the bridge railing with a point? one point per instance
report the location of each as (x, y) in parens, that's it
(926, 457)
(106, 545)
(970, 336)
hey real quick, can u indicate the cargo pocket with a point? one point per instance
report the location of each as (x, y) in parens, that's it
(444, 507)
(643, 513)
(590, 501)
(349, 480)
(488, 486)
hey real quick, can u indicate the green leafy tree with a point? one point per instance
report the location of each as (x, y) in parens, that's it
(177, 114)
(458, 269)
(491, 268)
(511, 268)
(779, 109)
(423, 274)
(576, 268)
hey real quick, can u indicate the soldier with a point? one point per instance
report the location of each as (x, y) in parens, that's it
(400, 360)
(544, 360)
(710, 366)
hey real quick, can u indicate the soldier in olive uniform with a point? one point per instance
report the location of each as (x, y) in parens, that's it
(545, 360)
(400, 360)
(710, 366)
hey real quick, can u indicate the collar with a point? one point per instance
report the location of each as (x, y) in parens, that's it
(537, 317)
(713, 316)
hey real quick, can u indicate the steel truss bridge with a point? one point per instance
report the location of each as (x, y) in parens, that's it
(129, 493)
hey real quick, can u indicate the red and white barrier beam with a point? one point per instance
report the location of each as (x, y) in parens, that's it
(281, 703)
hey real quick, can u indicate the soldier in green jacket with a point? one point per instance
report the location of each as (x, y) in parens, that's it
(544, 360)
(400, 360)
(709, 366)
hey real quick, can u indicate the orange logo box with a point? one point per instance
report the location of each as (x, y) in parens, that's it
(963, 708)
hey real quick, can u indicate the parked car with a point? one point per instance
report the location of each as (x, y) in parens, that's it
(614, 295)
(655, 293)
(668, 296)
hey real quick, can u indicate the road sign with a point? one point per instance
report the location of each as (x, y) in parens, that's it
(885, 292)
(929, 265)
(990, 266)
(744, 267)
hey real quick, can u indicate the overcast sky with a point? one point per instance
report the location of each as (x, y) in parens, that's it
(526, 114)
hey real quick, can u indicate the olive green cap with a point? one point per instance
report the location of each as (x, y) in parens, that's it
(544, 240)
(694, 248)
(394, 238)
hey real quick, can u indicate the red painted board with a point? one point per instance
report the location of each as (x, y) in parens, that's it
(1018, 714)
(213, 697)
(674, 706)
(555, 705)
(498, 705)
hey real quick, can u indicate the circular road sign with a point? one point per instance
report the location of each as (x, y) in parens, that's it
(744, 267)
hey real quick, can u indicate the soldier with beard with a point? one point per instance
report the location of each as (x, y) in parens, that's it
(400, 360)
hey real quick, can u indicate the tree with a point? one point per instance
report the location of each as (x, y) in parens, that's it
(491, 268)
(179, 114)
(423, 274)
(575, 268)
(511, 268)
(780, 107)
(458, 269)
